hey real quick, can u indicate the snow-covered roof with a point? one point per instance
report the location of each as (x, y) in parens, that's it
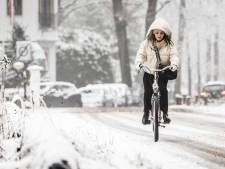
(214, 83)
(45, 86)
(57, 83)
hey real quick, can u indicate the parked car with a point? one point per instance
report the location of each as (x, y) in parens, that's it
(60, 94)
(213, 92)
(92, 97)
(96, 95)
(121, 94)
(108, 94)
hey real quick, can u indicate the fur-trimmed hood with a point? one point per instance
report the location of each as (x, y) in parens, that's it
(160, 24)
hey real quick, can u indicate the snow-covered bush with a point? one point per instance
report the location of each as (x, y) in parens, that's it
(83, 57)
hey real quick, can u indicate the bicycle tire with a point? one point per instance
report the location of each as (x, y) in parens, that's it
(155, 124)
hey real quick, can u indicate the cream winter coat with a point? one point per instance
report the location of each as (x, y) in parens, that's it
(168, 53)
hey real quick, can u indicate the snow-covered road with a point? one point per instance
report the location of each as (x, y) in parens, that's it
(194, 139)
(106, 138)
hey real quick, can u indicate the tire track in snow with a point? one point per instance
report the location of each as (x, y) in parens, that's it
(118, 125)
(214, 156)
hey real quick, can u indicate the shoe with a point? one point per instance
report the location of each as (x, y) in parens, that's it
(166, 120)
(145, 119)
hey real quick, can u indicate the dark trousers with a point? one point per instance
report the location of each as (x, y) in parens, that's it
(148, 91)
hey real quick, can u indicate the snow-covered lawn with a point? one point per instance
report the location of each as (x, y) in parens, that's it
(116, 139)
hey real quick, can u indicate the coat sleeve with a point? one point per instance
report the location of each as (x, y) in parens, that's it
(174, 60)
(141, 56)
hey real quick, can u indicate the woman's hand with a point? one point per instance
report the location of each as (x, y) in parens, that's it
(139, 67)
(173, 68)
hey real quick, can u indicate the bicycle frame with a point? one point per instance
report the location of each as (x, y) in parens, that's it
(155, 112)
(155, 115)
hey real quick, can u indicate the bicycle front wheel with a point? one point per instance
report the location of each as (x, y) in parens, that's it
(155, 124)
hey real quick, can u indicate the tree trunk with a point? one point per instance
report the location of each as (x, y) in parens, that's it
(121, 33)
(189, 71)
(208, 61)
(60, 12)
(198, 68)
(151, 12)
(216, 57)
(180, 44)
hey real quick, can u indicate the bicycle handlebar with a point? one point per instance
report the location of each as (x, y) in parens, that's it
(148, 70)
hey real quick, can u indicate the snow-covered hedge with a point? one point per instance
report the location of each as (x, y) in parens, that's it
(83, 57)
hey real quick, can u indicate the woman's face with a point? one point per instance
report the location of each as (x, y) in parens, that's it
(159, 35)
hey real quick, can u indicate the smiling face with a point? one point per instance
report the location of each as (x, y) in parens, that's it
(159, 35)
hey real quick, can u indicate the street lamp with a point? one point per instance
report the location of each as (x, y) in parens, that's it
(18, 66)
(27, 53)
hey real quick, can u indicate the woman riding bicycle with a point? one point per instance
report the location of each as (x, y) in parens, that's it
(158, 37)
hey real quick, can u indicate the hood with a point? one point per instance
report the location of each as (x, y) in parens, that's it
(162, 25)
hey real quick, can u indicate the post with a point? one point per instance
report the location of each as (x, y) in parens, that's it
(179, 99)
(35, 78)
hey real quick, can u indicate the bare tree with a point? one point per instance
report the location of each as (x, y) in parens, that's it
(208, 61)
(120, 24)
(216, 57)
(189, 70)
(181, 29)
(67, 7)
(198, 67)
(152, 11)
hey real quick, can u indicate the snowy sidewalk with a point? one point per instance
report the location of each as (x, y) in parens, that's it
(43, 145)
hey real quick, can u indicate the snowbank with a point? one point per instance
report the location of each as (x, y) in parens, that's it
(43, 146)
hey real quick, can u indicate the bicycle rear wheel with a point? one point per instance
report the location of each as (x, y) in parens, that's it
(155, 124)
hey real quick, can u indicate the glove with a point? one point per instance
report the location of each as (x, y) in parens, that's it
(173, 68)
(139, 67)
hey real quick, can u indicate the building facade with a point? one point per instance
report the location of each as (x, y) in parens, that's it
(39, 19)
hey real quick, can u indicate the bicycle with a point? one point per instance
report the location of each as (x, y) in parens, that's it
(5, 126)
(156, 114)
(10, 116)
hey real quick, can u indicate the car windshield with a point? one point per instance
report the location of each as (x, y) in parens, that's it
(214, 87)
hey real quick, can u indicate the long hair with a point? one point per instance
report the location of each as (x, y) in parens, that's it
(151, 38)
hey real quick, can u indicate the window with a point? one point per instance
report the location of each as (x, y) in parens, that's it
(214, 88)
(46, 13)
(17, 7)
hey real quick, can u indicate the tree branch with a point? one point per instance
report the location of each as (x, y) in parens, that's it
(67, 11)
(70, 4)
(163, 5)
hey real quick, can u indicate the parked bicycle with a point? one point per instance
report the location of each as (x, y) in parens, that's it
(5, 126)
(11, 124)
(156, 116)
